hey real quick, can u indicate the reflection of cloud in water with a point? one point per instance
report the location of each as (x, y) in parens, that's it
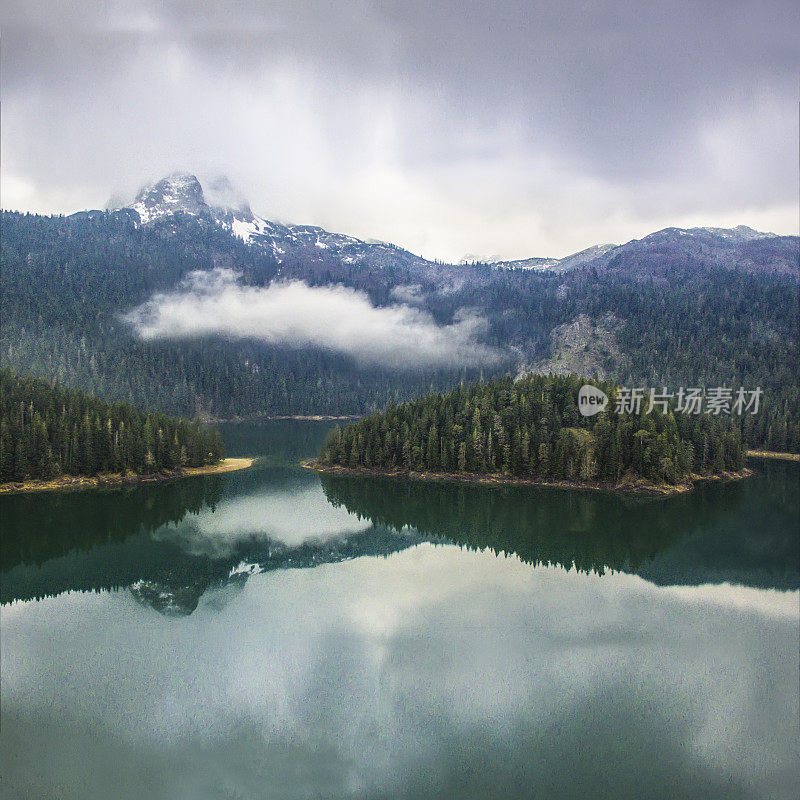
(727, 595)
(288, 517)
(434, 671)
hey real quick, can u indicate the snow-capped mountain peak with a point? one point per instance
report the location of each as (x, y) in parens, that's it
(222, 204)
(741, 233)
(177, 193)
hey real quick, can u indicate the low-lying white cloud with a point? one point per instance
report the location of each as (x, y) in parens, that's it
(214, 302)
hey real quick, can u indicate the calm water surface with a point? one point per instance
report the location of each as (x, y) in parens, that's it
(272, 634)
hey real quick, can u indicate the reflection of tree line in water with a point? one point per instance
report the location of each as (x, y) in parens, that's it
(56, 523)
(591, 531)
(711, 534)
(41, 527)
(743, 532)
(565, 528)
(90, 541)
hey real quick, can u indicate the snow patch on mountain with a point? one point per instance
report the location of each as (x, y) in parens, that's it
(177, 193)
(535, 264)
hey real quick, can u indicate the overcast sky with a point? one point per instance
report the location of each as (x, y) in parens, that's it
(507, 129)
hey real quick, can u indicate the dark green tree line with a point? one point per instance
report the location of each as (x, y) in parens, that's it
(47, 431)
(532, 428)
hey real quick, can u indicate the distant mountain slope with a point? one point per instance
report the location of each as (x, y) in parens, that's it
(704, 248)
(67, 282)
(583, 258)
(659, 253)
(538, 264)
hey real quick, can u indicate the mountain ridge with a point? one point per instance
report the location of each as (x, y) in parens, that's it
(182, 193)
(741, 247)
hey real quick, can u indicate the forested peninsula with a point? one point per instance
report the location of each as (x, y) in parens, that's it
(52, 437)
(531, 431)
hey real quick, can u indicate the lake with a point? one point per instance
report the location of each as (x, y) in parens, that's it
(278, 634)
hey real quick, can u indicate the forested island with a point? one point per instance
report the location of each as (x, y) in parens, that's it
(52, 434)
(530, 431)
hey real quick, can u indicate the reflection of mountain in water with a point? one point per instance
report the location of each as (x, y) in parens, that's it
(743, 532)
(178, 593)
(138, 539)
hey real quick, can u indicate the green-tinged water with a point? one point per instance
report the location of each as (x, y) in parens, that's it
(277, 634)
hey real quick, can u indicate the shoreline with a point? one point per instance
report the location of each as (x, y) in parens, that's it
(638, 486)
(110, 480)
(773, 455)
(272, 418)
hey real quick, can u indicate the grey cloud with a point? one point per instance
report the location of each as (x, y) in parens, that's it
(411, 294)
(516, 128)
(332, 317)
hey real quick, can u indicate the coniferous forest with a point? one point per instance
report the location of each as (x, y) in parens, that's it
(532, 428)
(67, 281)
(47, 431)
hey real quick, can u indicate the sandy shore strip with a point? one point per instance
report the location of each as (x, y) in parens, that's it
(226, 465)
(75, 482)
(772, 454)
